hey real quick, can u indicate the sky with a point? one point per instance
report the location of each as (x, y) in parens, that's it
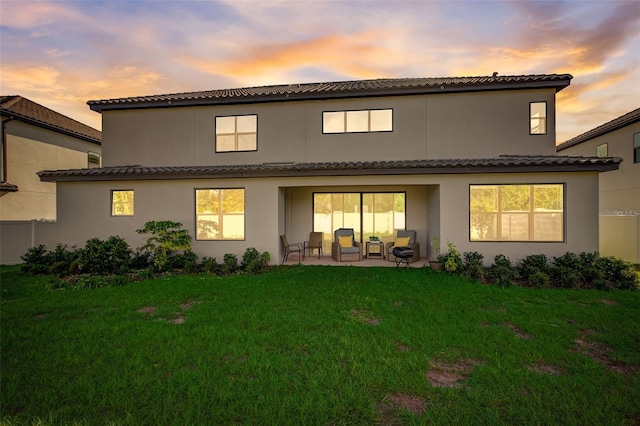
(62, 54)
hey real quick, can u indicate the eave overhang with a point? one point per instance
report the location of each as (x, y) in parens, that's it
(502, 164)
(337, 90)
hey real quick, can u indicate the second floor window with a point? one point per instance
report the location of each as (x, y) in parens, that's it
(636, 147)
(93, 159)
(375, 120)
(237, 133)
(538, 118)
(602, 150)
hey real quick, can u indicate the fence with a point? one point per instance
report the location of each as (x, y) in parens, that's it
(18, 236)
(620, 237)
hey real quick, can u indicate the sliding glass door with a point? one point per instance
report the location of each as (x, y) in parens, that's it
(368, 213)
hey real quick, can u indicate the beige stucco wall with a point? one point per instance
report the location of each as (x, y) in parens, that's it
(30, 149)
(437, 205)
(457, 125)
(619, 202)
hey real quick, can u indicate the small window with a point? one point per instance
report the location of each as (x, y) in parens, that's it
(602, 150)
(636, 147)
(93, 160)
(220, 214)
(122, 202)
(538, 118)
(237, 133)
(377, 120)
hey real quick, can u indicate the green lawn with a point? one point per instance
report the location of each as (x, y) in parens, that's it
(317, 345)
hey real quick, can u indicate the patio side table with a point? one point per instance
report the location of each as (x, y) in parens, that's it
(378, 249)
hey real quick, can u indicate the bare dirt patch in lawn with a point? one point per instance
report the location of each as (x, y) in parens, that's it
(601, 354)
(395, 402)
(402, 348)
(609, 302)
(148, 310)
(545, 368)
(519, 333)
(179, 319)
(446, 375)
(364, 316)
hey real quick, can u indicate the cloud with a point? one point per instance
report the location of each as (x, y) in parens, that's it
(357, 55)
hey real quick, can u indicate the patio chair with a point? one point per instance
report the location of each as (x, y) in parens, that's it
(315, 242)
(403, 239)
(344, 247)
(291, 248)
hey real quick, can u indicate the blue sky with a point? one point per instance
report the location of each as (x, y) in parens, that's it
(63, 53)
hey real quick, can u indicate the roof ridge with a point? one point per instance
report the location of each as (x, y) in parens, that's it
(608, 127)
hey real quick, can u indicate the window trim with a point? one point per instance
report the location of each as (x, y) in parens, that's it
(195, 212)
(545, 118)
(531, 214)
(133, 206)
(636, 148)
(345, 111)
(93, 154)
(236, 133)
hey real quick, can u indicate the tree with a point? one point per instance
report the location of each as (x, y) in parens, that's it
(166, 236)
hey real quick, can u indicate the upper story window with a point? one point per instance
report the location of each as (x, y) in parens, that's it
(636, 147)
(602, 150)
(375, 120)
(93, 159)
(237, 133)
(538, 118)
(122, 202)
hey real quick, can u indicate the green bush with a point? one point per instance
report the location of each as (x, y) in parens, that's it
(502, 271)
(539, 279)
(166, 237)
(534, 264)
(253, 262)
(229, 263)
(210, 265)
(110, 256)
(618, 273)
(36, 261)
(474, 265)
(451, 259)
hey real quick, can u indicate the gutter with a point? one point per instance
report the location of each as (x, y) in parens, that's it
(4, 185)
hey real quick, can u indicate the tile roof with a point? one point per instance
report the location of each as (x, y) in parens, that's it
(23, 109)
(502, 164)
(615, 124)
(344, 89)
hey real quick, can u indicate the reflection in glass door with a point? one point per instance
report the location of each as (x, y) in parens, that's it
(378, 214)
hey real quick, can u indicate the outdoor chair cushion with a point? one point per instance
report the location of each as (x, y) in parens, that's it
(345, 242)
(401, 241)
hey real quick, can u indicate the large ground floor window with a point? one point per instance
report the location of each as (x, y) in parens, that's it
(516, 212)
(220, 214)
(368, 213)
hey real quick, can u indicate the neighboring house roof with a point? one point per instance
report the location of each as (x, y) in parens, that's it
(502, 164)
(345, 89)
(19, 108)
(618, 123)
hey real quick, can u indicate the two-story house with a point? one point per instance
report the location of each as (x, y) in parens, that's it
(619, 196)
(466, 160)
(34, 138)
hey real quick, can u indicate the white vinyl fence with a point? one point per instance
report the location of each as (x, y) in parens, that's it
(620, 237)
(18, 236)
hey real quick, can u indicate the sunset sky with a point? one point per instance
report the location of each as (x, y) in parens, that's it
(63, 53)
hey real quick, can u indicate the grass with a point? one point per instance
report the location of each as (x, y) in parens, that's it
(317, 345)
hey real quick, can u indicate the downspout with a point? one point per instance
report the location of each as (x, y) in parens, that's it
(3, 149)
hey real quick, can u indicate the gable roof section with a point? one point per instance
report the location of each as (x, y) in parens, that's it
(335, 90)
(613, 125)
(19, 108)
(502, 164)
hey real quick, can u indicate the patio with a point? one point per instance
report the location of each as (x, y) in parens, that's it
(364, 263)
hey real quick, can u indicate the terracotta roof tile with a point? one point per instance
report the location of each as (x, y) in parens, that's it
(343, 89)
(28, 111)
(502, 164)
(615, 124)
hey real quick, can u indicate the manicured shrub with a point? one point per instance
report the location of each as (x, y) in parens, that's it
(502, 271)
(539, 279)
(253, 262)
(451, 259)
(229, 263)
(474, 265)
(618, 273)
(110, 256)
(210, 265)
(567, 271)
(532, 265)
(36, 261)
